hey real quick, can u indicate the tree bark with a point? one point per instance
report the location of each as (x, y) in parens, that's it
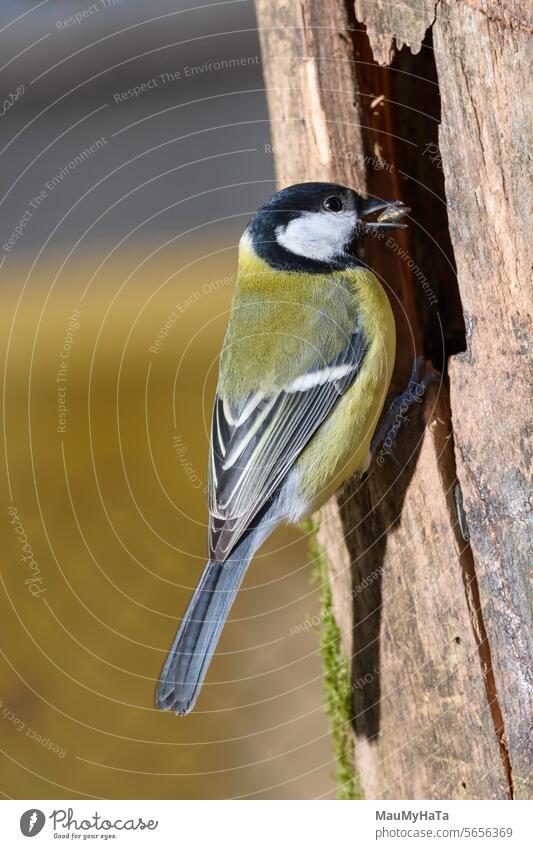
(437, 626)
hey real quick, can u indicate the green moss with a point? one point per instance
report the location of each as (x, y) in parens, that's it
(337, 683)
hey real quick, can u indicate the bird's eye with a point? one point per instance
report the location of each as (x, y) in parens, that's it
(333, 203)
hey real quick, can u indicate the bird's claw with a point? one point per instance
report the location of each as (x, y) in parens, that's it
(415, 390)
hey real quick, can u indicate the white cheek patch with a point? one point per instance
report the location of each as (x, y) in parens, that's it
(245, 240)
(317, 235)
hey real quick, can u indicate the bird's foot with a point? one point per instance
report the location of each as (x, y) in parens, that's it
(396, 414)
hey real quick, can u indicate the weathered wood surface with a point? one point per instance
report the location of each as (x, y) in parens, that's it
(482, 56)
(437, 631)
(488, 185)
(307, 58)
(423, 724)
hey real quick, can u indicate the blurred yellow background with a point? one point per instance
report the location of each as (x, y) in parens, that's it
(129, 247)
(112, 505)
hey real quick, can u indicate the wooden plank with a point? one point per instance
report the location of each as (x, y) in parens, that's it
(423, 724)
(481, 55)
(488, 185)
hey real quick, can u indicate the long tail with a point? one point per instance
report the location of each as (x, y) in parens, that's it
(198, 635)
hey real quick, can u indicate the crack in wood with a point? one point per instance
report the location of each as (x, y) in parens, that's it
(507, 20)
(446, 450)
(399, 525)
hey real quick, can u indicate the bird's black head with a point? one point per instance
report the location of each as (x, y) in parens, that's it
(314, 227)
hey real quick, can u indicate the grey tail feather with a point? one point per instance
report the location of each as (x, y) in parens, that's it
(194, 644)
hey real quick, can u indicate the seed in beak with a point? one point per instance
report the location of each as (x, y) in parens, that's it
(393, 213)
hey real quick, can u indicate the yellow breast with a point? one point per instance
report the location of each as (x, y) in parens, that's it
(341, 445)
(274, 315)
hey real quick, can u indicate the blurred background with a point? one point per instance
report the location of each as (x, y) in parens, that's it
(134, 149)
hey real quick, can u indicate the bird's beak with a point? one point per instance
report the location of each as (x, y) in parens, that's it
(390, 214)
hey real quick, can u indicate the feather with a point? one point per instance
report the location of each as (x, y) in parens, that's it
(255, 443)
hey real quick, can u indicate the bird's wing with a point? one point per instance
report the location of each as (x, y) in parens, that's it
(254, 443)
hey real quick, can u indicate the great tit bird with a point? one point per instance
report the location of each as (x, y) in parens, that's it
(304, 372)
